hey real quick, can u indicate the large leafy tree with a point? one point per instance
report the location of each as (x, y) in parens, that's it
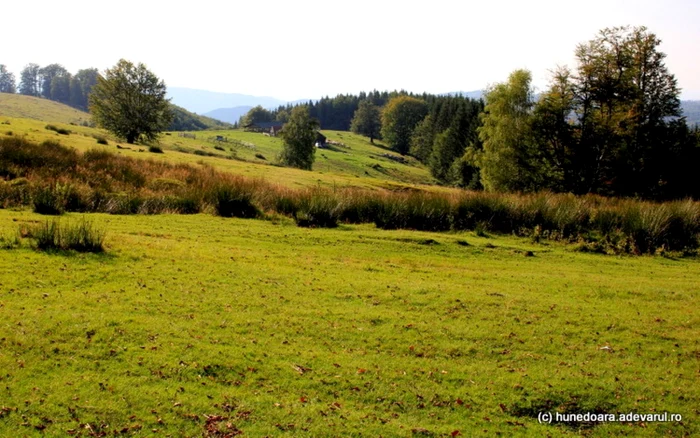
(367, 120)
(399, 118)
(29, 84)
(610, 125)
(130, 102)
(508, 160)
(7, 80)
(257, 114)
(299, 137)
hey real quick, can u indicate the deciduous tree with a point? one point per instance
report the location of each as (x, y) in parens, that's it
(29, 80)
(47, 75)
(257, 114)
(367, 120)
(299, 136)
(7, 80)
(399, 118)
(130, 101)
(507, 159)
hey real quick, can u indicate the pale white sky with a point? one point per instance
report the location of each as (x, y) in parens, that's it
(308, 49)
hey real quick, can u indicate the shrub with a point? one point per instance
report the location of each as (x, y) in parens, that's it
(235, 200)
(317, 209)
(50, 199)
(155, 149)
(58, 130)
(101, 140)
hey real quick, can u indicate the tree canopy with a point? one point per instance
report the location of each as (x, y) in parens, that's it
(399, 119)
(7, 80)
(130, 102)
(367, 120)
(299, 137)
(257, 114)
(29, 80)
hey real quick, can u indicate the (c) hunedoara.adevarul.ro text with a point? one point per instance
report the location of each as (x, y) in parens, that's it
(591, 417)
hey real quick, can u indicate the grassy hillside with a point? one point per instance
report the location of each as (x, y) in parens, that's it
(193, 323)
(353, 162)
(184, 120)
(19, 106)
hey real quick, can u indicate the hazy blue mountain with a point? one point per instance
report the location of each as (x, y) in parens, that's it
(201, 101)
(691, 111)
(228, 115)
(184, 120)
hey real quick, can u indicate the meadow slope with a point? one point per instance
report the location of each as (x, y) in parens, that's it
(352, 162)
(190, 325)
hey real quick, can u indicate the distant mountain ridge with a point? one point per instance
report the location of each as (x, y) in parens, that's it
(229, 115)
(202, 101)
(229, 107)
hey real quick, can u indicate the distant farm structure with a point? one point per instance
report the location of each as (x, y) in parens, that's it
(270, 128)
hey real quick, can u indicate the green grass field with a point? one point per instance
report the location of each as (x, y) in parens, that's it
(196, 325)
(191, 324)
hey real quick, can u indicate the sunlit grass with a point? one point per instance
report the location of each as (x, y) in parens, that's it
(282, 330)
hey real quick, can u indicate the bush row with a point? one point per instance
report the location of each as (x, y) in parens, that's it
(54, 179)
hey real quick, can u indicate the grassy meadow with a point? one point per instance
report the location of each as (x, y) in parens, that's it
(360, 301)
(352, 162)
(188, 325)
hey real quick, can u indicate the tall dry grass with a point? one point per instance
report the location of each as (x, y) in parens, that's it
(54, 179)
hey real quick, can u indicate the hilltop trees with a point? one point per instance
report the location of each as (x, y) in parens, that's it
(54, 82)
(80, 87)
(29, 80)
(399, 119)
(7, 80)
(130, 102)
(299, 136)
(257, 114)
(47, 76)
(367, 120)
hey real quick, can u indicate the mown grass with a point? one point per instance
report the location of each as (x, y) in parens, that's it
(201, 322)
(56, 179)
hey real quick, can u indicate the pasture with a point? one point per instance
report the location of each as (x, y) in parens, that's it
(197, 325)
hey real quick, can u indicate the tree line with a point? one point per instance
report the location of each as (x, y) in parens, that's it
(611, 126)
(51, 82)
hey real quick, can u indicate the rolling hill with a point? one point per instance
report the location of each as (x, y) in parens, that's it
(28, 107)
(353, 161)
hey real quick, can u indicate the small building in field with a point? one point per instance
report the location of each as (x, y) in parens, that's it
(271, 128)
(320, 140)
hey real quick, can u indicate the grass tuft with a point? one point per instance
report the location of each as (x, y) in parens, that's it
(80, 237)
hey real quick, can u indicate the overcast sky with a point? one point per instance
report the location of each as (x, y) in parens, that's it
(308, 49)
